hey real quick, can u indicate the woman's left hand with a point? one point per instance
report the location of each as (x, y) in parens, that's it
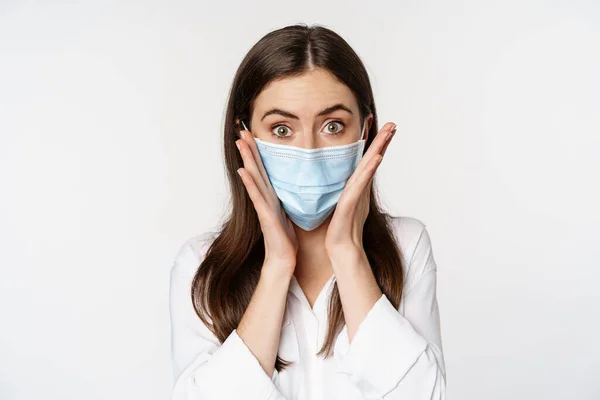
(345, 230)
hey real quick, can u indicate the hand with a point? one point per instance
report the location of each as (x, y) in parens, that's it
(281, 243)
(345, 229)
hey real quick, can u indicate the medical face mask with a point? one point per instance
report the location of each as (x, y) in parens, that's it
(309, 182)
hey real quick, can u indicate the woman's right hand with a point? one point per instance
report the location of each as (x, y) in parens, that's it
(281, 243)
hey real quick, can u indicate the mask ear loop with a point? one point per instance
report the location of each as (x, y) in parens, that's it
(244, 125)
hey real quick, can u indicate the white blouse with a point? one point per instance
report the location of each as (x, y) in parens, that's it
(396, 354)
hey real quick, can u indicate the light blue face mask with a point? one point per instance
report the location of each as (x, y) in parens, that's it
(309, 182)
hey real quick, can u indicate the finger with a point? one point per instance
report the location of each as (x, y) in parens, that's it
(248, 137)
(387, 142)
(257, 198)
(251, 167)
(354, 191)
(382, 139)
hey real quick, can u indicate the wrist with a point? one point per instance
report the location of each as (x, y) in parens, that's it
(344, 255)
(278, 269)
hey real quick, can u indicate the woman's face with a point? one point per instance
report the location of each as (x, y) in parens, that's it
(311, 111)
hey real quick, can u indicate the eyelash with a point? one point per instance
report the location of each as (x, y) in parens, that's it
(330, 122)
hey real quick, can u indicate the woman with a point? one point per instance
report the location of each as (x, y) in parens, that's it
(309, 290)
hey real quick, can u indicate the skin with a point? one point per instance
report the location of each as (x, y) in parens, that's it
(335, 247)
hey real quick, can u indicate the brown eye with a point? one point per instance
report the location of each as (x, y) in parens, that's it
(334, 127)
(280, 131)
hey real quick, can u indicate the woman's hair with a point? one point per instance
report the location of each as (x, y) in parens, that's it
(230, 270)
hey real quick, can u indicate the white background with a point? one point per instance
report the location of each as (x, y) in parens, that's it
(111, 120)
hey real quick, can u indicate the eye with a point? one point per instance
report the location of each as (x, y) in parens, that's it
(280, 132)
(334, 130)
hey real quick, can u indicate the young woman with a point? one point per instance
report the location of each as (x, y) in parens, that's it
(309, 290)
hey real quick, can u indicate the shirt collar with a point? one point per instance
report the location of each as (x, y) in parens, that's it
(295, 290)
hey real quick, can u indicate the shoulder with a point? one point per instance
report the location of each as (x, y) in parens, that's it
(191, 253)
(415, 245)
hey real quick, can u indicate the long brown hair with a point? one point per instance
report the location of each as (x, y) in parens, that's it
(230, 270)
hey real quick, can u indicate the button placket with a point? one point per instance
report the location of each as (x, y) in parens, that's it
(320, 313)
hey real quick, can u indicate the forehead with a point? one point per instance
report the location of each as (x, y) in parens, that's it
(306, 94)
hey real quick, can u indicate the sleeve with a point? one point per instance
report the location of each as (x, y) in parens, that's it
(203, 368)
(397, 353)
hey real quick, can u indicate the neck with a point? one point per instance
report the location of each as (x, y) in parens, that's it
(312, 262)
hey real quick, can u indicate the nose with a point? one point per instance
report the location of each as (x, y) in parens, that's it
(307, 139)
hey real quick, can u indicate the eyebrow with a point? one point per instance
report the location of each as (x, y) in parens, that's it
(326, 111)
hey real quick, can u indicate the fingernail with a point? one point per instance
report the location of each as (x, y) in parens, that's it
(242, 134)
(237, 144)
(239, 173)
(393, 129)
